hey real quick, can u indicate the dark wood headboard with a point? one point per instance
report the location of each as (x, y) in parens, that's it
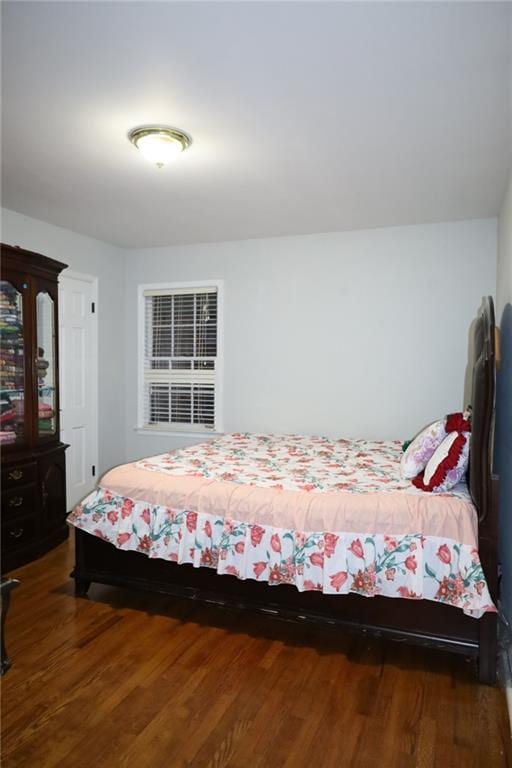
(482, 408)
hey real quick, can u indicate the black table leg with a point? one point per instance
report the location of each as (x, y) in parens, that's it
(7, 585)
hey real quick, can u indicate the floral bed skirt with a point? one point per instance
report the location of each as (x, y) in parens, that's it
(408, 566)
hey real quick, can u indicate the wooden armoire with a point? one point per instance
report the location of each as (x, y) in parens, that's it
(32, 454)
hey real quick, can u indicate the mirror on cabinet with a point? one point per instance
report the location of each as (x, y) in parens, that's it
(45, 364)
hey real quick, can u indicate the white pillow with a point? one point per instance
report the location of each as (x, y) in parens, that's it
(421, 449)
(448, 464)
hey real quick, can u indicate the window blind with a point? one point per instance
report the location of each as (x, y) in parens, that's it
(180, 358)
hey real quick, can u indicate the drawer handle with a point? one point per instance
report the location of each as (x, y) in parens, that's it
(16, 501)
(16, 474)
(16, 533)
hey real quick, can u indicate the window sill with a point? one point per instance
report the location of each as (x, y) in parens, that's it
(169, 433)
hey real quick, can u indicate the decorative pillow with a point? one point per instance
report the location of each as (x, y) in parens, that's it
(448, 464)
(422, 447)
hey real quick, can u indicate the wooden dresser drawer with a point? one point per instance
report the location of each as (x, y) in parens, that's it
(14, 476)
(18, 502)
(18, 532)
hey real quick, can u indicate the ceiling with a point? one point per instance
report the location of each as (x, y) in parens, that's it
(305, 117)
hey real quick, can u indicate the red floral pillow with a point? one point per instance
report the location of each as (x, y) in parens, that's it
(422, 447)
(448, 464)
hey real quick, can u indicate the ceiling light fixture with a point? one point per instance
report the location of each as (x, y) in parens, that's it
(158, 143)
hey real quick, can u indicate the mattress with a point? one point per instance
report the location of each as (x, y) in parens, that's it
(327, 515)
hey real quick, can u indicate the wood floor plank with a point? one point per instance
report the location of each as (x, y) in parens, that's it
(121, 680)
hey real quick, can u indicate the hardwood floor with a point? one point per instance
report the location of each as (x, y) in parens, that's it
(150, 682)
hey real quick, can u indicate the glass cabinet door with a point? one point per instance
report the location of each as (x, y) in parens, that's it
(45, 365)
(12, 365)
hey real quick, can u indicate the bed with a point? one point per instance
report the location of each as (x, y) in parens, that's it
(311, 529)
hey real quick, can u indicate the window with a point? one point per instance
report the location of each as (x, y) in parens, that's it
(180, 373)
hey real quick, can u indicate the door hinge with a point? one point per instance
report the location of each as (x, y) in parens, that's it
(94, 470)
(93, 307)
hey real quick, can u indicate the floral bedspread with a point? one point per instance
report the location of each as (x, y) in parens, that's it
(293, 463)
(411, 566)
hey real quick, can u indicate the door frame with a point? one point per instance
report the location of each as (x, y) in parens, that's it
(94, 378)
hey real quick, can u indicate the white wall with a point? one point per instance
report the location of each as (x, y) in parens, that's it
(503, 448)
(358, 333)
(84, 254)
(504, 266)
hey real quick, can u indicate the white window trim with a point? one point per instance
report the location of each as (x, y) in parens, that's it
(219, 367)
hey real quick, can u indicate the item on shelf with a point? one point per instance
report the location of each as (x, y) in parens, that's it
(7, 412)
(42, 366)
(11, 359)
(7, 416)
(45, 414)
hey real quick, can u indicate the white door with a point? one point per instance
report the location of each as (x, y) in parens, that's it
(78, 381)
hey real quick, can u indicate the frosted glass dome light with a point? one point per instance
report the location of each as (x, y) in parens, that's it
(158, 143)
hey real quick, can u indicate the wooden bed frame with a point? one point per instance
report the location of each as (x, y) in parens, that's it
(420, 622)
